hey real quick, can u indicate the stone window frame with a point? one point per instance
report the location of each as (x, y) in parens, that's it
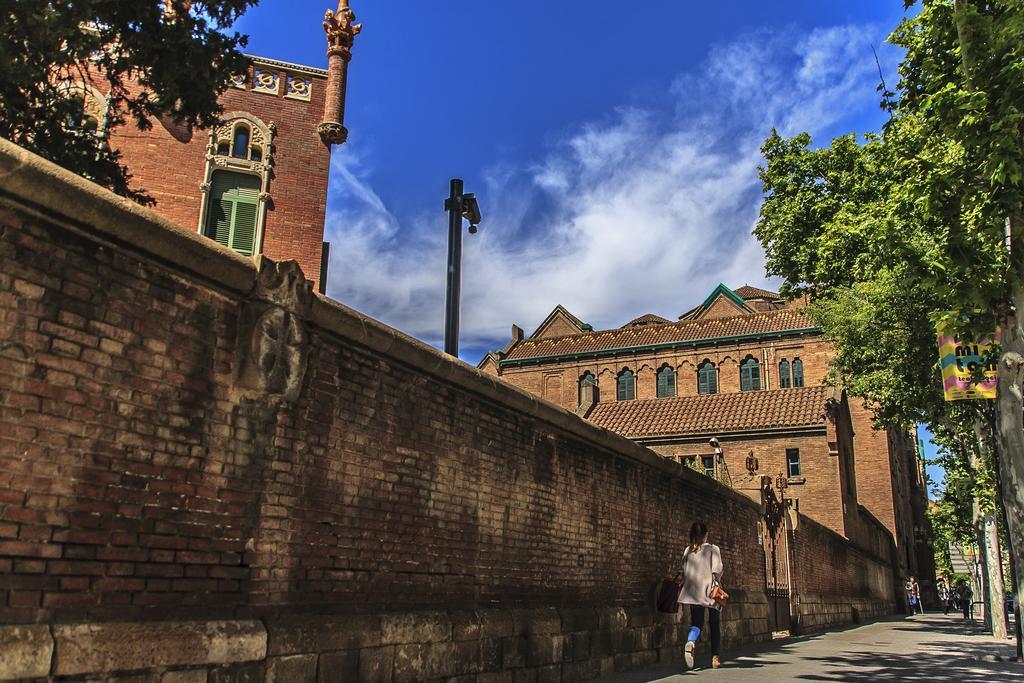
(261, 135)
(620, 388)
(712, 376)
(666, 370)
(95, 104)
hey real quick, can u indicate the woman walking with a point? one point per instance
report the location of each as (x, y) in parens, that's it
(701, 569)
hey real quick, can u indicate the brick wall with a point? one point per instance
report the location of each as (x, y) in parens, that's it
(836, 583)
(142, 480)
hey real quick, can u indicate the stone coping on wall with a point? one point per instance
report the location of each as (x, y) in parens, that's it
(37, 186)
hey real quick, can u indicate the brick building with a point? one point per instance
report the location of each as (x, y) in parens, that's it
(257, 182)
(749, 369)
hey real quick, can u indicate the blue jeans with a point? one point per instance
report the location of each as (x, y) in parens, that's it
(697, 625)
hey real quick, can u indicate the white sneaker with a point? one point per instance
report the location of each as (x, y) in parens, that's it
(688, 653)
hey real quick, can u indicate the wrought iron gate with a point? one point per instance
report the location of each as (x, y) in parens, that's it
(775, 542)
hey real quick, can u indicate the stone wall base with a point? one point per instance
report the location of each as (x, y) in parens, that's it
(483, 646)
(817, 612)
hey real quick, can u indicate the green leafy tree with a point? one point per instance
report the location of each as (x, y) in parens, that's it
(926, 216)
(151, 58)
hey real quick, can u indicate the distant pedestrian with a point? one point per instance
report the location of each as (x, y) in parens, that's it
(701, 571)
(913, 592)
(945, 596)
(966, 600)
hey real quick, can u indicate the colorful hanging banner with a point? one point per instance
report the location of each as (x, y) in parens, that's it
(959, 360)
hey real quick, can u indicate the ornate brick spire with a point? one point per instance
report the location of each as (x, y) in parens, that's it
(341, 32)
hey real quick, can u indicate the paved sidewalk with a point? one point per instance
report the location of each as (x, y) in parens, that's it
(929, 647)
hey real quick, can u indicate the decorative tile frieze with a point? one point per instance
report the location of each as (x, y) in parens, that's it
(266, 82)
(240, 81)
(298, 88)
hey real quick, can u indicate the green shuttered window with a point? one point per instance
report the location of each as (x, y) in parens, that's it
(798, 373)
(234, 210)
(666, 382)
(707, 378)
(750, 375)
(625, 386)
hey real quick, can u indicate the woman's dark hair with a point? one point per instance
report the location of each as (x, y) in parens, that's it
(698, 530)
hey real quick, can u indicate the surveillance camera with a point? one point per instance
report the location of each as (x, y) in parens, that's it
(470, 209)
(713, 442)
(472, 229)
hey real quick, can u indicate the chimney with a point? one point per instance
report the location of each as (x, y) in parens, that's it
(341, 32)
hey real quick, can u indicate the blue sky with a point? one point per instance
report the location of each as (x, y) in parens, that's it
(613, 147)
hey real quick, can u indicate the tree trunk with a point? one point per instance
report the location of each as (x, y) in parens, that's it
(1010, 429)
(995, 593)
(982, 563)
(1016, 611)
(987, 532)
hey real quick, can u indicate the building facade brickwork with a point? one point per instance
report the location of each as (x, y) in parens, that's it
(155, 467)
(170, 164)
(729, 328)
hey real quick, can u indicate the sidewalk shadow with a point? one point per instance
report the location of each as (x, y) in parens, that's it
(959, 661)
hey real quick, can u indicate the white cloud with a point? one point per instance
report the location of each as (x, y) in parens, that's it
(636, 212)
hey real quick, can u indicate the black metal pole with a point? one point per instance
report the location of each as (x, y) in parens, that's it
(453, 291)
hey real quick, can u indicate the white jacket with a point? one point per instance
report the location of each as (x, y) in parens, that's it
(700, 570)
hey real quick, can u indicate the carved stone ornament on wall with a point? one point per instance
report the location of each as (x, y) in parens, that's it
(341, 27)
(240, 81)
(332, 133)
(267, 82)
(298, 88)
(272, 339)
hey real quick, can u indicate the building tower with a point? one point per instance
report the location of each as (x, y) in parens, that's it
(341, 32)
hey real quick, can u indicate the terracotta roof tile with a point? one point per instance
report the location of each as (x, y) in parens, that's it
(715, 413)
(748, 292)
(645, 335)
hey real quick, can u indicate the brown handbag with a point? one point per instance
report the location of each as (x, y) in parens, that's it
(718, 594)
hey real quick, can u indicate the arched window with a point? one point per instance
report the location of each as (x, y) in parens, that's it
(666, 381)
(785, 381)
(625, 386)
(234, 205)
(236, 188)
(588, 388)
(240, 143)
(750, 374)
(798, 372)
(87, 112)
(707, 378)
